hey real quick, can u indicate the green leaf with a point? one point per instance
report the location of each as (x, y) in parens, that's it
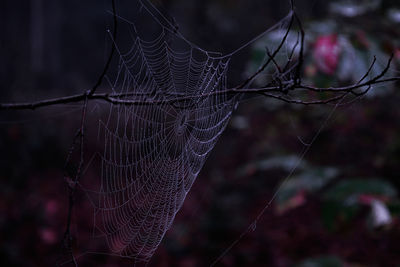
(348, 191)
(310, 181)
(341, 202)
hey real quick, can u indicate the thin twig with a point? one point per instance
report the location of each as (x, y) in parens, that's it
(106, 67)
(368, 71)
(71, 183)
(262, 68)
(298, 79)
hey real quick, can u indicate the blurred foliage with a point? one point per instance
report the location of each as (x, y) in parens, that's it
(340, 48)
(349, 191)
(322, 261)
(313, 179)
(344, 199)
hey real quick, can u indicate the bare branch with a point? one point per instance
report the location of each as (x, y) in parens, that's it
(142, 100)
(316, 102)
(43, 103)
(270, 57)
(282, 84)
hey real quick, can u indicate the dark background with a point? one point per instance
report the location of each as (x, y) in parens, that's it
(57, 48)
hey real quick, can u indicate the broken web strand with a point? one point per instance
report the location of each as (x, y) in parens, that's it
(306, 148)
(288, 48)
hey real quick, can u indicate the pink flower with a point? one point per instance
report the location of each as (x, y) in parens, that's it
(326, 53)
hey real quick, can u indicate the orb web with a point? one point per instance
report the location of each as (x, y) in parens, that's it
(170, 105)
(152, 153)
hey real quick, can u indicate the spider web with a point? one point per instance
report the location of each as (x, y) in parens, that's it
(152, 153)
